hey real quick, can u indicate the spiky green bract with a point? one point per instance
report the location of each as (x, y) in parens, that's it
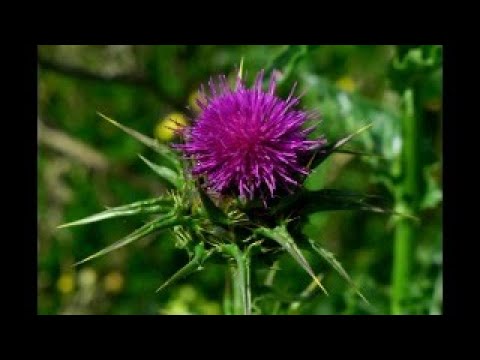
(150, 206)
(159, 148)
(162, 222)
(168, 175)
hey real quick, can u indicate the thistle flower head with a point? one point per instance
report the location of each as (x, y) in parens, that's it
(248, 141)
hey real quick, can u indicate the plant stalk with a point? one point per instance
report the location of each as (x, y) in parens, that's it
(407, 194)
(240, 272)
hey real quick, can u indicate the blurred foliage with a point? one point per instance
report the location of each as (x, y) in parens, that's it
(85, 164)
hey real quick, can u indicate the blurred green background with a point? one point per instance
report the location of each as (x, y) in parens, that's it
(86, 164)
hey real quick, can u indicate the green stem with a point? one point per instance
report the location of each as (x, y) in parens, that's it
(248, 293)
(407, 200)
(271, 274)
(227, 298)
(238, 299)
(240, 271)
(404, 234)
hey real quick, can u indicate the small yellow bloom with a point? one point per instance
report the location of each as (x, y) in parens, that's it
(346, 83)
(65, 283)
(113, 282)
(164, 131)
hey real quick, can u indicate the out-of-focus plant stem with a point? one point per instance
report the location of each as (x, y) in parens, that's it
(407, 195)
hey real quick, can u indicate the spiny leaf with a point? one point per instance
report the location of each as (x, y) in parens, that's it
(149, 206)
(151, 143)
(195, 264)
(323, 200)
(310, 288)
(214, 213)
(165, 173)
(326, 151)
(330, 258)
(334, 200)
(108, 214)
(281, 236)
(154, 225)
(133, 133)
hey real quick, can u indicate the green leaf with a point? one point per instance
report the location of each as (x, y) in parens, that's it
(281, 236)
(161, 149)
(195, 264)
(159, 223)
(150, 206)
(334, 200)
(167, 174)
(324, 200)
(337, 199)
(330, 258)
(214, 213)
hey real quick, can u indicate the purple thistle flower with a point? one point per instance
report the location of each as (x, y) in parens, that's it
(248, 141)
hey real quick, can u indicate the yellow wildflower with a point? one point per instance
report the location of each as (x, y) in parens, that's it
(164, 131)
